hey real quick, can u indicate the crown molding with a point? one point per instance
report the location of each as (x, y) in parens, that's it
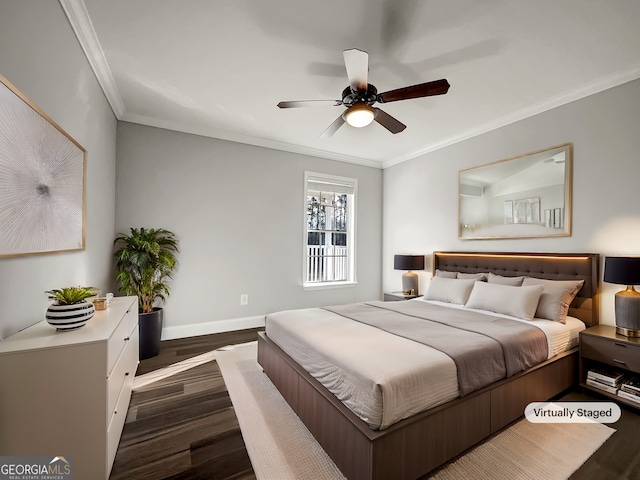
(247, 140)
(82, 26)
(614, 80)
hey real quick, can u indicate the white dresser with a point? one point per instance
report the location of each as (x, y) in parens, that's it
(67, 393)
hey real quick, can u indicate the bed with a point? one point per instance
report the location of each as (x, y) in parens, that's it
(364, 446)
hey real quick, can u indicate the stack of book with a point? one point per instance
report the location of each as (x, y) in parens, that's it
(605, 379)
(630, 390)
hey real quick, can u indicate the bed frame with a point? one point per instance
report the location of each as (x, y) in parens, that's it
(413, 447)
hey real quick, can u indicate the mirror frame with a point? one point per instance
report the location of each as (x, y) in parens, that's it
(565, 217)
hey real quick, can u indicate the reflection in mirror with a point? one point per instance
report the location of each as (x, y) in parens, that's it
(525, 196)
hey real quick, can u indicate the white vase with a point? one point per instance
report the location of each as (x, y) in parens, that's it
(69, 317)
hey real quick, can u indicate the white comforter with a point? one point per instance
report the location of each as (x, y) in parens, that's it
(381, 377)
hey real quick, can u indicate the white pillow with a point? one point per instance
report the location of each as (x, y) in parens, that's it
(450, 290)
(556, 297)
(519, 302)
(446, 274)
(513, 281)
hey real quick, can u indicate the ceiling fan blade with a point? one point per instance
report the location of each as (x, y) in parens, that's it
(357, 64)
(437, 87)
(309, 103)
(333, 128)
(388, 122)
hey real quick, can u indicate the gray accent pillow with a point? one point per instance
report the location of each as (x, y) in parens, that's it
(474, 276)
(450, 290)
(519, 302)
(513, 281)
(445, 274)
(556, 297)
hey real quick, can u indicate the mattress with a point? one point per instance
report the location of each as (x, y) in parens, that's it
(381, 377)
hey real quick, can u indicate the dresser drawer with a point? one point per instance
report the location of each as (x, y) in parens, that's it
(116, 423)
(124, 369)
(117, 342)
(610, 351)
(118, 413)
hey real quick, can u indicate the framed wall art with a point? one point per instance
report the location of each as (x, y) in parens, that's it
(42, 180)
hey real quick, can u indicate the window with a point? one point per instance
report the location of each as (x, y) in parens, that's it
(329, 257)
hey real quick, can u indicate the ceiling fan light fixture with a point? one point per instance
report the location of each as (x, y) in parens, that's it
(359, 97)
(359, 115)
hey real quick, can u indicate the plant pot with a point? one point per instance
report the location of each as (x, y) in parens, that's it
(150, 330)
(69, 317)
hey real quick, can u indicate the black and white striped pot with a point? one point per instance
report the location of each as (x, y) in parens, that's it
(69, 317)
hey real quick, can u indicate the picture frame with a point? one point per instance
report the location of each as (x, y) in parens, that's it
(508, 212)
(557, 218)
(42, 180)
(527, 210)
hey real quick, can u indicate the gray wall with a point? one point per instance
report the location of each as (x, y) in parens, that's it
(420, 201)
(40, 55)
(238, 212)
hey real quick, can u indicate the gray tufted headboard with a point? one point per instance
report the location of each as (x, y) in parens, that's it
(550, 266)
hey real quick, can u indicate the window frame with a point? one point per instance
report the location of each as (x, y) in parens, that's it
(351, 231)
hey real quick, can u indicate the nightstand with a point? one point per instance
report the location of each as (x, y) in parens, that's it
(601, 346)
(395, 296)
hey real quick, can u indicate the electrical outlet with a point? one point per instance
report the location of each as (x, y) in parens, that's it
(244, 299)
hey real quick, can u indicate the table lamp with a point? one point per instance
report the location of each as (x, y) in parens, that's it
(409, 279)
(625, 271)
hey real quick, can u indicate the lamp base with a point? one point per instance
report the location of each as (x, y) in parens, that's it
(627, 305)
(628, 333)
(410, 283)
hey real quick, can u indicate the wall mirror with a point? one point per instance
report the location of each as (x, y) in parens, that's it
(521, 197)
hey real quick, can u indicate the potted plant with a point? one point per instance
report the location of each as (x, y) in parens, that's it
(145, 261)
(70, 309)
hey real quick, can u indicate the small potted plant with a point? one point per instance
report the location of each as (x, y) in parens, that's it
(70, 309)
(145, 261)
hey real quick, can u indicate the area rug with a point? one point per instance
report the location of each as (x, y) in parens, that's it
(281, 448)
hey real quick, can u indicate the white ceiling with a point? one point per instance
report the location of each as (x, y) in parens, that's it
(218, 68)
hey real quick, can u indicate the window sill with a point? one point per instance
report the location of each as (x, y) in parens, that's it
(327, 285)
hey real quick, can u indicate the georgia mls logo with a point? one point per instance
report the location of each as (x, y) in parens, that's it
(35, 468)
(61, 465)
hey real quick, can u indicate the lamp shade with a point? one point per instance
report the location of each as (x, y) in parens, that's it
(408, 262)
(622, 270)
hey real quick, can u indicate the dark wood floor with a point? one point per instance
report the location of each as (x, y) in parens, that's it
(184, 427)
(173, 351)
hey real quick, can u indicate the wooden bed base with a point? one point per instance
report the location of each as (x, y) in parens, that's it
(413, 447)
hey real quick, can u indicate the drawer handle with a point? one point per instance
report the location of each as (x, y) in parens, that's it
(126, 339)
(126, 374)
(619, 344)
(619, 361)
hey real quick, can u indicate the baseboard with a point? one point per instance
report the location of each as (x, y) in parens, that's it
(207, 328)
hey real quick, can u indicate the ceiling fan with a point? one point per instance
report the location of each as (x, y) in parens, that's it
(360, 96)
